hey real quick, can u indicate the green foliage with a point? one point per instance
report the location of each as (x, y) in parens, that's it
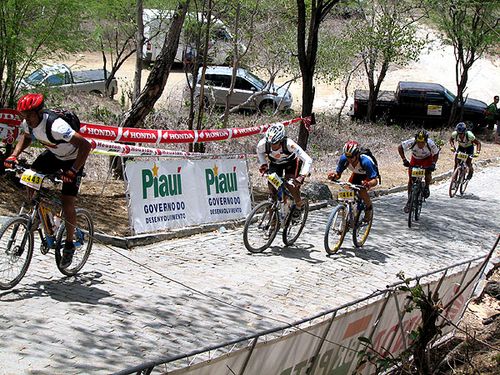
(32, 30)
(467, 24)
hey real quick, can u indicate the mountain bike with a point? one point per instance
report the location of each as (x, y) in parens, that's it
(416, 197)
(42, 214)
(459, 180)
(349, 213)
(264, 221)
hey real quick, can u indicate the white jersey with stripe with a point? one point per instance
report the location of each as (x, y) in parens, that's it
(281, 157)
(61, 130)
(420, 153)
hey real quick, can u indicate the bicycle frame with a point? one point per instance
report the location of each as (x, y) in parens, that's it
(356, 204)
(347, 215)
(282, 204)
(41, 212)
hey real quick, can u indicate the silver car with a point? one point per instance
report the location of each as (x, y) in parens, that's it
(218, 82)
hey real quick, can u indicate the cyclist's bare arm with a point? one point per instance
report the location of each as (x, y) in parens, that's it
(22, 144)
(477, 144)
(83, 147)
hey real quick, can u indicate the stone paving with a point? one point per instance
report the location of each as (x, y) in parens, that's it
(117, 313)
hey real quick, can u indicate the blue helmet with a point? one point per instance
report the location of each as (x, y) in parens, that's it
(461, 128)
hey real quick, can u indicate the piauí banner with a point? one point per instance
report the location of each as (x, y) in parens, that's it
(168, 194)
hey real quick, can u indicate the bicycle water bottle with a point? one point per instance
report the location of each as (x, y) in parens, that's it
(50, 241)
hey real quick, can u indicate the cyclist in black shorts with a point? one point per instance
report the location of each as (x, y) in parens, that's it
(466, 141)
(68, 154)
(278, 153)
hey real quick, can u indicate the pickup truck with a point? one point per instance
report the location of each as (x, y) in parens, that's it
(418, 102)
(62, 77)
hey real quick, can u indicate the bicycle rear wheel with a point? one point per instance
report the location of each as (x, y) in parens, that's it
(294, 226)
(361, 228)
(454, 182)
(16, 251)
(336, 229)
(83, 240)
(417, 201)
(464, 181)
(261, 227)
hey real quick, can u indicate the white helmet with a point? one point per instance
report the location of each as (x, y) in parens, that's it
(275, 133)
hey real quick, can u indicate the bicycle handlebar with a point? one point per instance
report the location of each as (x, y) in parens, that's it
(353, 186)
(22, 167)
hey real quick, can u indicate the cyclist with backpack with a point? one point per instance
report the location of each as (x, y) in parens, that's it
(466, 141)
(278, 153)
(364, 170)
(424, 154)
(66, 150)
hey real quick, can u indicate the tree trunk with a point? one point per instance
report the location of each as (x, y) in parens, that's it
(139, 41)
(308, 92)
(157, 79)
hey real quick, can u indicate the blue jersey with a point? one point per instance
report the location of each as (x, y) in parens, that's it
(366, 166)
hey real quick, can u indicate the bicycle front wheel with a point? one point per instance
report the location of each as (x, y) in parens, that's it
(454, 183)
(417, 202)
(464, 181)
(83, 240)
(261, 227)
(336, 229)
(16, 251)
(295, 225)
(361, 228)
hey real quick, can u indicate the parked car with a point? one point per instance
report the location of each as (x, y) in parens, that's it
(62, 77)
(218, 82)
(418, 102)
(156, 24)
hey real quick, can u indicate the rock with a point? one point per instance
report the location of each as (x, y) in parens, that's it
(493, 289)
(316, 191)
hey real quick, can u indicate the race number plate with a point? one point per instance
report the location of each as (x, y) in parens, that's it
(274, 179)
(346, 195)
(417, 172)
(32, 179)
(462, 156)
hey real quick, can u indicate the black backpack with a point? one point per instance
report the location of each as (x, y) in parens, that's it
(368, 152)
(69, 116)
(283, 147)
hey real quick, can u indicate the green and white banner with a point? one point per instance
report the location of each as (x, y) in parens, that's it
(167, 194)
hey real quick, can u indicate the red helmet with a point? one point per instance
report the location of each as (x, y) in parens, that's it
(351, 148)
(30, 102)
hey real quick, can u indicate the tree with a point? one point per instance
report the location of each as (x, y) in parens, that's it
(31, 30)
(387, 35)
(472, 28)
(114, 31)
(307, 48)
(157, 79)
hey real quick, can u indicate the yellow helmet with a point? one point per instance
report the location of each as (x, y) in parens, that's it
(422, 136)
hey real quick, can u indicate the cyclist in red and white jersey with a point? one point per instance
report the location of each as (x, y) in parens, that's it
(424, 154)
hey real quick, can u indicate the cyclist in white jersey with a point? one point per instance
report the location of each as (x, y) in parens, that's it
(278, 153)
(466, 141)
(424, 154)
(68, 154)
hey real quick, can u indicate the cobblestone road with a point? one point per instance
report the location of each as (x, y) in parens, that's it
(117, 314)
